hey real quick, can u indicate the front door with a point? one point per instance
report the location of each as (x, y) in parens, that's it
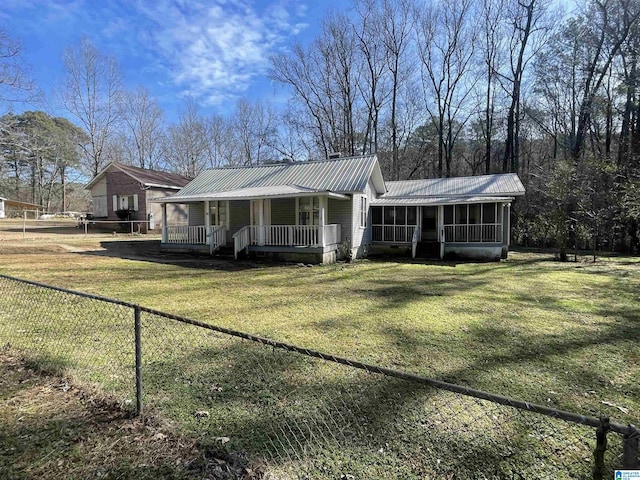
(261, 215)
(430, 224)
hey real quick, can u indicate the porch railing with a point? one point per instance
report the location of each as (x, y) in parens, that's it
(186, 234)
(241, 240)
(218, 237)
(286, 236)
(393, 233)
(485, 232)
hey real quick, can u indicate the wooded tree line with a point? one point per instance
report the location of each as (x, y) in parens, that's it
(436, 88)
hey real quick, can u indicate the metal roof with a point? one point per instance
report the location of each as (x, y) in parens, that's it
(507, 184)
(148, 178)
(436, 200)
(341, 175)
(280, 191)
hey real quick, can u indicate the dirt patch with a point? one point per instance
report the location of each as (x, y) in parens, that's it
(52, 429)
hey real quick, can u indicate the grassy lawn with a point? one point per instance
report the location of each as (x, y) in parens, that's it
(563, 335)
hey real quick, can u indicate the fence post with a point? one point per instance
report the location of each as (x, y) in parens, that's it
(24, 225)
(630, 448)
(601, 447)
(138, 341)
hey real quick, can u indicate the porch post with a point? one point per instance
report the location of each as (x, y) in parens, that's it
(164, 223)
(508, 225)
(441, 230)
(321, 215)
(207, 224)
(261, 221)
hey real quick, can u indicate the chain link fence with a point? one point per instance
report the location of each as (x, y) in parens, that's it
(296, 413)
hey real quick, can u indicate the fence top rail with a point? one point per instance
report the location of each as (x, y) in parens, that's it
(440, 384)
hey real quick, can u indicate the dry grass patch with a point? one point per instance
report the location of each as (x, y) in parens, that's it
(53, 430)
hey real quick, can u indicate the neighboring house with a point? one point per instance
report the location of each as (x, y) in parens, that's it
(123, 187)
(319, 211)
(12, 207)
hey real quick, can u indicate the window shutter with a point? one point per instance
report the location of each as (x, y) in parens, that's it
(135, 202)
(115, 203)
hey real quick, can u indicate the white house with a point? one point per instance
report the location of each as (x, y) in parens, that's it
(319, 211)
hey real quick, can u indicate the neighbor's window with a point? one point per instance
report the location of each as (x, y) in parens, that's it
(125, 202)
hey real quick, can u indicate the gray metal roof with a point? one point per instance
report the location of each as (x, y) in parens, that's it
(436, 200)
(341, 175)
(507, 184)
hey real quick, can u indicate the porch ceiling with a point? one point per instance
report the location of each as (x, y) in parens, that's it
(280, 191)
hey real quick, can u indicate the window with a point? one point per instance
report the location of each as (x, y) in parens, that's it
(474, 213)
(363, 211)
(448, 214)
(488, 213)
(218, 213)
(309, 211)
(393, 224)
(125, 202)
(461, 214)
(474, 222)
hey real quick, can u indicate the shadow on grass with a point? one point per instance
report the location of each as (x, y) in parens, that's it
(149, 251)
(330, 420)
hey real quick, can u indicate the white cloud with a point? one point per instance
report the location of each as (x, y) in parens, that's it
(213, 50)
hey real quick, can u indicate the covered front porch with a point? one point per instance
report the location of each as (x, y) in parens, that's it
(288, 223)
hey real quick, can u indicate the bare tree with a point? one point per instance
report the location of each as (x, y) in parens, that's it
(324, 79)
(221, 145)
(254, 129)
(612, 22)
(492, 38)
(142, 119)
(92, 91)
(186, 143)
(15, 80)
(528, 34)
(397, 26)
(372, 83)
(446, 44)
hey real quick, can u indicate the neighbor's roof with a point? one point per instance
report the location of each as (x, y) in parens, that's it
(341, 175)
(19, 203)
(148, 178)
(508, 185)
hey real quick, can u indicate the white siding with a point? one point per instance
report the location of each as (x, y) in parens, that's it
(100, 206)
(283, 211)
(100, 188)
(339, 211)
(196, 213)
(240, 216)
(361, 235)
(177, 213)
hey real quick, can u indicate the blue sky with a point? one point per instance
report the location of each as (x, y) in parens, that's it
(213, 50)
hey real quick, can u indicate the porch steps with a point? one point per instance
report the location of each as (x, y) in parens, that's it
(427, 249)
(225, 251)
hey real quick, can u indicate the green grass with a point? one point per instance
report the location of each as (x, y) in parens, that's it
(563, 335)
